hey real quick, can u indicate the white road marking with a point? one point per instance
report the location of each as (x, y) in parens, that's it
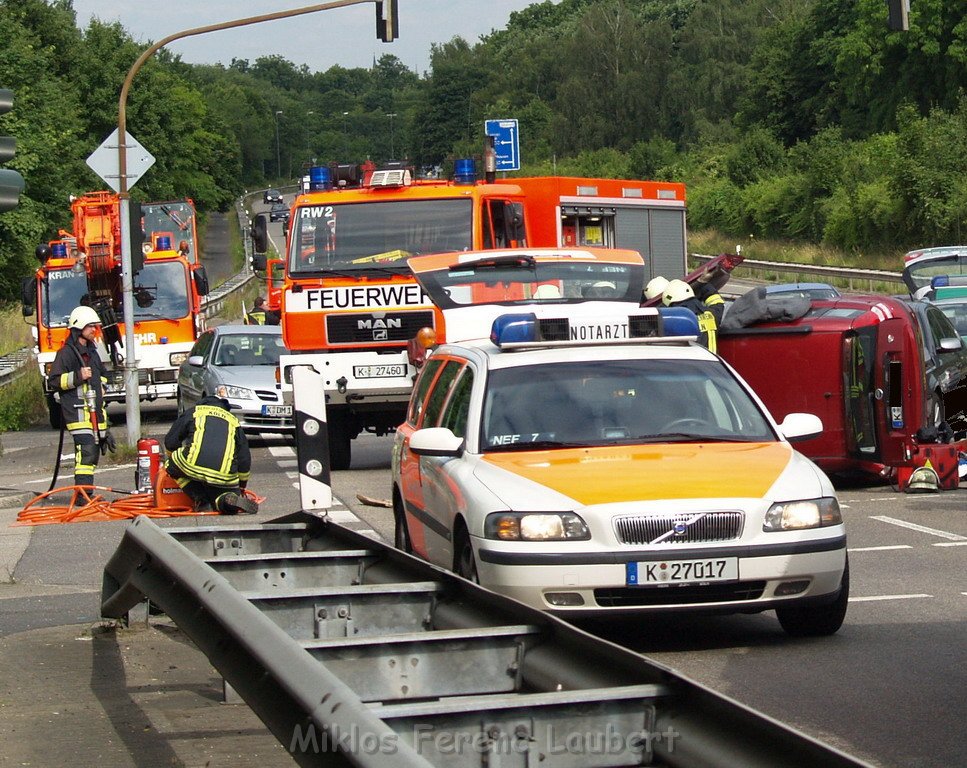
(920, 528)
(879, 549)
(950, 544)
(885, 597)
(280, 451)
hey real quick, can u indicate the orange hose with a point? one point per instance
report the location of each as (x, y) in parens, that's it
(84, 506)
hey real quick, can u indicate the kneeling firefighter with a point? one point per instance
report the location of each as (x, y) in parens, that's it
(209, 457)
(78, 375)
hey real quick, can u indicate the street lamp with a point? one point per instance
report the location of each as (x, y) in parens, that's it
(278, 155)
(345, 139)
(392, 138)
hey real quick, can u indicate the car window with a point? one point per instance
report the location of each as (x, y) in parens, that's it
(203, 344)
(439, 391)
(940, 326)
(430, 370)
(619, 401)
(458, 407)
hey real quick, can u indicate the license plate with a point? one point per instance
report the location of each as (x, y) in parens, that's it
(379, 371)
(682, 571)
(276, 410)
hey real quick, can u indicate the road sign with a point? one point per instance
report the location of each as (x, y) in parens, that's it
(506, 143)
(104, 161)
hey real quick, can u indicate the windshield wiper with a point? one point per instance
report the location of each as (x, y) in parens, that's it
(685, 437)
(537, 445)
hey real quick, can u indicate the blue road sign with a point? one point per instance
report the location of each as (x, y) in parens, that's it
(506, 143)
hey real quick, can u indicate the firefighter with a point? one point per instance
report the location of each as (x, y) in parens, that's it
(257, 315)
(209, 457)
(656, 287)
(678, 293)
(78, 375)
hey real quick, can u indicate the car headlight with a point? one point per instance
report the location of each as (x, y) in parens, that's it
(234, 393)
(536, 526)
(177, 358)
(796, 515)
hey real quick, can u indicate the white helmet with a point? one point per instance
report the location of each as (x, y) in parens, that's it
(676, 291)
(656, 287)
(81, 317)
(923, 480)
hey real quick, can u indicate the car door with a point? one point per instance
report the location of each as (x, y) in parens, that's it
(191, 382)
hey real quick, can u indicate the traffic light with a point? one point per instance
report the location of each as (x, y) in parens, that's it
(387, 20)
(899, 15)
(11, 182)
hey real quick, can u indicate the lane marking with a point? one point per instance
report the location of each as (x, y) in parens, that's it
(950, 544)
(880, 549)
(885, 597)
(281, 451)
(920, 528)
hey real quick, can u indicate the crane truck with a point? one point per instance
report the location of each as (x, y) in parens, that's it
(83, 266)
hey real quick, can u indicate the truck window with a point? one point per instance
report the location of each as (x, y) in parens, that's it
(503, 225)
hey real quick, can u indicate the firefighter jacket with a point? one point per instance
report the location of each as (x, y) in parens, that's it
(256, 317)
(707, 325)
(207, 444)
(65, 377)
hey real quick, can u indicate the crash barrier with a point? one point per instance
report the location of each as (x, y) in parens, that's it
(355, 653)
(868, 279)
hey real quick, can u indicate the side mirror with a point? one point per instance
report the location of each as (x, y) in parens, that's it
(28, 295)
(260, 234)
(436, 441)
(258, 262)
(196, 360)
(201, 280)
(801, 426)
(951, 344)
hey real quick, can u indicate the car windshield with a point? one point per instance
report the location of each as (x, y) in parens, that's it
(608, 402)
(259, 349)
(361, 235)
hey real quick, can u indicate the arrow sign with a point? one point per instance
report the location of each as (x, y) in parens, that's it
(104, 161)
(506, 143)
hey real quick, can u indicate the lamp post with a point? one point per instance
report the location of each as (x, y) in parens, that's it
(392, 137)
(345, 138)
(278, 155)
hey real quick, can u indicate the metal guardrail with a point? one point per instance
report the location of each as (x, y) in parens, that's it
(851, 276)
(354, 653)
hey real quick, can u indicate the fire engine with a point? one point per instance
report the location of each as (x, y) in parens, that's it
(350, 303)
(84, 267)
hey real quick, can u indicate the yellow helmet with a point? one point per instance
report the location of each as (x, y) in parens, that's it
(81, 317)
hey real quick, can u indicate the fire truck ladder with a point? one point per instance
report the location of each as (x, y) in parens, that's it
(355, 653)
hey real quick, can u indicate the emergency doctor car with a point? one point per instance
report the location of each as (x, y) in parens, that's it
(591, 465)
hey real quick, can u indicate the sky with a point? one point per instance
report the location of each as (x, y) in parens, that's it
(342, 36)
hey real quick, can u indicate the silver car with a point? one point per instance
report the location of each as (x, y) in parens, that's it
(238, 363)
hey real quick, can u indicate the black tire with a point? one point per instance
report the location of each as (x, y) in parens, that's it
(401, 537)
(817, 620)
(464, 562)
(340, 444)
(53, 412)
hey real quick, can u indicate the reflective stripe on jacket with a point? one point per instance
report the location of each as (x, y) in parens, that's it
(207, 444)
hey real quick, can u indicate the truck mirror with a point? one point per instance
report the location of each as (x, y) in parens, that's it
(260, 235)
(258, 262)
(28, 295)
(201, 280)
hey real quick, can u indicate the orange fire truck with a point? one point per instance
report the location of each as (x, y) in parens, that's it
(84, 267)
(350, 303)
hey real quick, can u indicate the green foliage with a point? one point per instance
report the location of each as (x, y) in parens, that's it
(23, 404)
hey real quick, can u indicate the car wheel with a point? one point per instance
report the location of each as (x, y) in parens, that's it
(401, 538)
(340, 444)
(817, 620)
(464, 563)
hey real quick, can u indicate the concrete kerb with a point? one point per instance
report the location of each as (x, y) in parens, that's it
(13, 540)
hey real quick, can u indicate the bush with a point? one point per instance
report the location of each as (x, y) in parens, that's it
(22, 403)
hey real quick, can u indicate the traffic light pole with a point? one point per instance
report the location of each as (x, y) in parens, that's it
(131, 396)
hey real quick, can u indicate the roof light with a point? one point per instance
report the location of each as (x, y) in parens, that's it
(940, 281)
(528, 330)
(465, 171)
(392, 177)
(679, 321)
(320, 178)
(163, 243)
(58, 250)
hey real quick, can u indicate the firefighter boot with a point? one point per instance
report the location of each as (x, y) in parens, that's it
(236, 503)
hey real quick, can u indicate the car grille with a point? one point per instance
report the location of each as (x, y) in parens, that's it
(268, 395)
(713, 526)
(367, 328)
(166, 375)
(615, 597)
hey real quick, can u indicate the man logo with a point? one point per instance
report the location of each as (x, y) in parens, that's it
(379, 327)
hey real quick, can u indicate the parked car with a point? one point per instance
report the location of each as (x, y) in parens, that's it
(272, 196)
(570, 464)
(238, 363)
(279, 212)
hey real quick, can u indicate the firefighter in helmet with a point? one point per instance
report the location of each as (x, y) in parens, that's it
(209, 457)
(655, 288)
(678, 293)
(78, 376)
(257, 315)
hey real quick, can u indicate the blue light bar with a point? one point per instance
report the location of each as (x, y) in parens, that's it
(58, 250)
(465, 171)
(678, 321)
(163, 243)
(514, 329)
(320, 177)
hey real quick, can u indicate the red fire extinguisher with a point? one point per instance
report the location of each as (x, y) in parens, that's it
(149, 462)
